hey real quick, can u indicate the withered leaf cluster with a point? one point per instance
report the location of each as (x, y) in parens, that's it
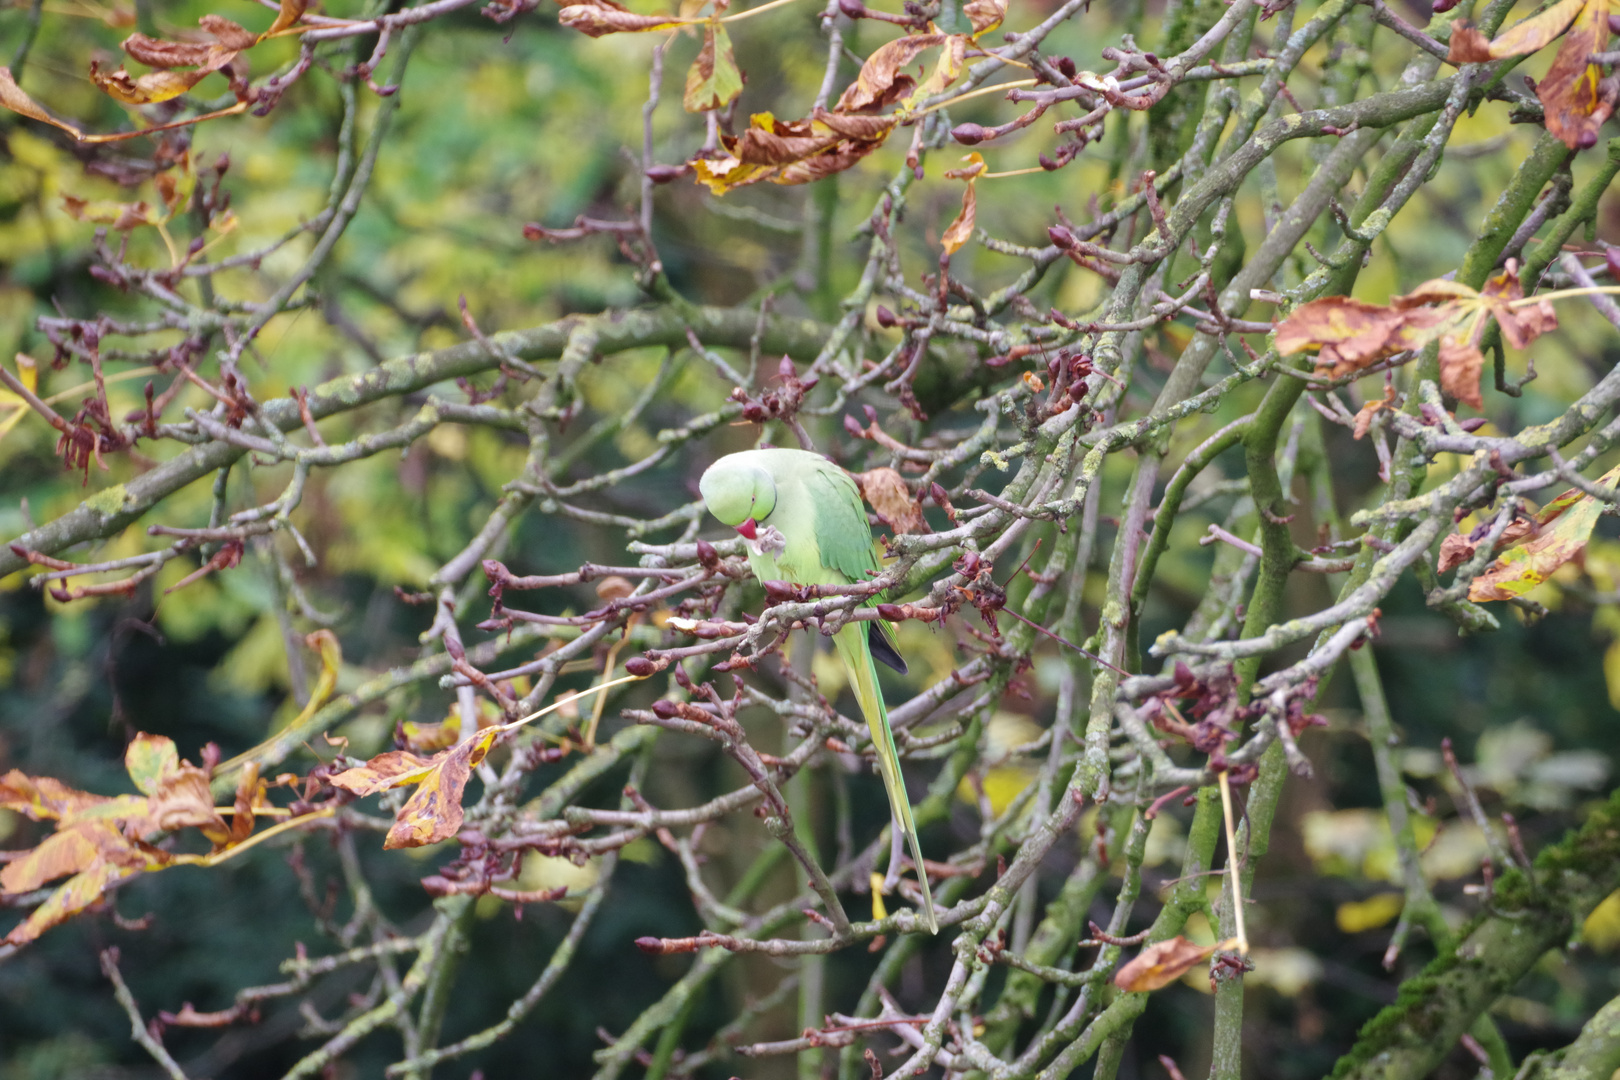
(1531, 548)
(1352, 335)
(1575, 94)
(222, 52)
(100, 841)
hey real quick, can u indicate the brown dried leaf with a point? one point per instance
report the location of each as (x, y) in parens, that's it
(1161, 964)
(384, 771)
(232, 36)
(251, 795)
(714, 80)
(1455, 550)
(76, 894)
(1566, 527)
(148, 89)
(291, 11)
(1576, 96)
(183, 800)
(886, 490)
(960, 231)
(67, 851)
(598, 18)
(776, 143)
(434, 812)
(121, 216)
(40, 798)
(154, 52)
(985, 15)
(1461, 363)
(842, 155)
(13, 98)
(1365, 414)
(1350, 334)
(791, 152)
(1458, 548)
(1468, 46)
(876, 84)
(859, 128)
(975, 165)
(1539, 30)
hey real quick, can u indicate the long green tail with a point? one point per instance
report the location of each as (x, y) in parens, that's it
(857, 657)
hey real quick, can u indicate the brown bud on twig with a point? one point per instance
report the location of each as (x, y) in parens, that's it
(654, 946)
(968, 134)
(663, 174)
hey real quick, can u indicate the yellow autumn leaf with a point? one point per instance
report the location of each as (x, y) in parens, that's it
(28, 375)
(1354, 916)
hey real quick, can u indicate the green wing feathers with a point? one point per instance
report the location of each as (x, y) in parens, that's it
(857, 657)
(842, 534)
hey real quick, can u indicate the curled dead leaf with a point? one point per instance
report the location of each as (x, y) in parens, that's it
(880, 81)
(433, 812)
(598, 18)
(1161, 964)
(889, 496)
(791, 152)
(1575, 95)
(1559, 534)
(120, 216)
(984, 15)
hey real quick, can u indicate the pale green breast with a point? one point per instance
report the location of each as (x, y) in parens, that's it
(819, 513)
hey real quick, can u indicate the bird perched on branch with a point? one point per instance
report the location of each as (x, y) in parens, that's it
(804, 523)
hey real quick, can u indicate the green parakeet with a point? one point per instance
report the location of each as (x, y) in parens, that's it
(804, 523)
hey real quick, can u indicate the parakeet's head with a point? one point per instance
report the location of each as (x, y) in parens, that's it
(738, 492)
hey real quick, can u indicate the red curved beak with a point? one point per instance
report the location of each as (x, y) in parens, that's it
(749, 529)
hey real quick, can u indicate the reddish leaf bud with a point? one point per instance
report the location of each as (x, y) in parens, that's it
(785, 369)
(886, 318)
(968, 134)
(853, 426)
(706, 554)
(1066, 65)
(1611, 256)
(853, 9)
(640, 666)
(937, 492)
(780, 591)
(1061, 236)
(871, 414)
(891, 612)
(665, 709)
